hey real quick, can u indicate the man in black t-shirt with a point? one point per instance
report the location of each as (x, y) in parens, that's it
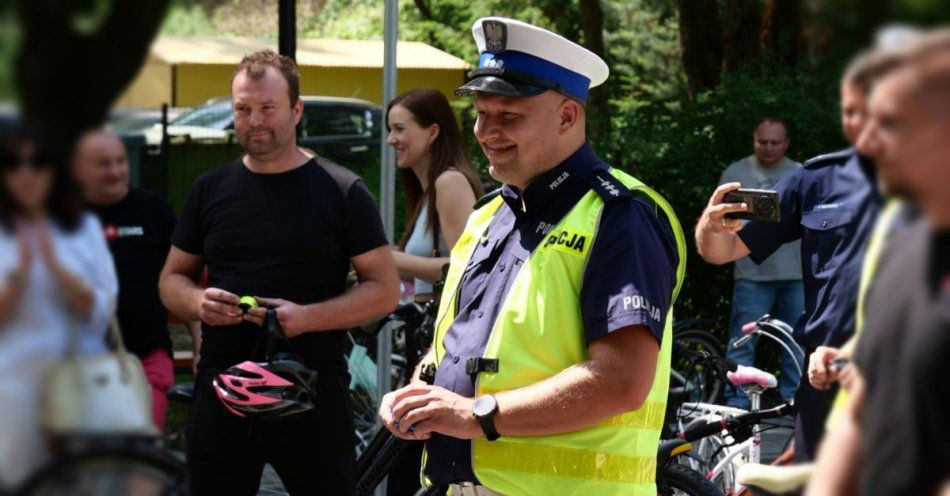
(894, 437)
(138, 226)
(283, 227)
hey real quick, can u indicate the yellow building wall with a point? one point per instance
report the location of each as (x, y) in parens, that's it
(195, 84)
(150, 88)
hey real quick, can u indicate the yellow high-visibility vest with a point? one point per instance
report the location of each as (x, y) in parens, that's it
(538, 333)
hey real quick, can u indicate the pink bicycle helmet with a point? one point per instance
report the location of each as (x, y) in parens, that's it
(271, 390)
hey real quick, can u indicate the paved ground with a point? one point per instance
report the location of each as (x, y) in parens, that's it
(775, 441)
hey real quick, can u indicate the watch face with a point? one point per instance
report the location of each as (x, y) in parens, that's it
(484, 406)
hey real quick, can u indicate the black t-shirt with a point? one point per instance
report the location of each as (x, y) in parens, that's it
(138, 230)
(903, 355)
(289, 235)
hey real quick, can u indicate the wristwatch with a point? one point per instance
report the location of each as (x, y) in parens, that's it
(484, 409)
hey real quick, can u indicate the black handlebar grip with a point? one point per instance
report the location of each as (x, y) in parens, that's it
(705, 430)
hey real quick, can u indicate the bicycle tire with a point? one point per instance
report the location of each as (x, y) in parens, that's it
(711, 450)
(709, 383)
(674, 479)
(142, 472)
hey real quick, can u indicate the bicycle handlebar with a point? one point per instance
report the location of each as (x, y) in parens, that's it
(769, 327)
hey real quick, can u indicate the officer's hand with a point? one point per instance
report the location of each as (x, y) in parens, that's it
(714, 218)
(820, 375)
(292, 317)
(423, 409)
(387, 405)
(219, 307)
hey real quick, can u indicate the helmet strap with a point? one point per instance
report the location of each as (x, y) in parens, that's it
(276, 331)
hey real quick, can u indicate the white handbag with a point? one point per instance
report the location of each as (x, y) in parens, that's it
(101, 394)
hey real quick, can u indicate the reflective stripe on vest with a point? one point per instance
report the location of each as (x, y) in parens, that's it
(537, 334)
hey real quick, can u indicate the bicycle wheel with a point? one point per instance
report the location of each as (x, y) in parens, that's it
(674, 479)
(695, 380)
(113, 472)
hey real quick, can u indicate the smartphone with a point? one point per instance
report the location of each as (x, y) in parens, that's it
(763, 204)
(838, 364)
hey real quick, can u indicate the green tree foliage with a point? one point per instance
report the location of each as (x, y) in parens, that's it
(682, 149)
(9, 43)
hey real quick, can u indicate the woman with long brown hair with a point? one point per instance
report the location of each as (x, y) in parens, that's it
(441, 186)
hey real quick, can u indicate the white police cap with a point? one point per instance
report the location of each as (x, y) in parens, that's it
(518, 59)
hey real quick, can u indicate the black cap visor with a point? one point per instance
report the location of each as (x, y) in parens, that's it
(498, 86)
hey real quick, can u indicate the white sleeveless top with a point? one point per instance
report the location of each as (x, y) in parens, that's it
(420, 245)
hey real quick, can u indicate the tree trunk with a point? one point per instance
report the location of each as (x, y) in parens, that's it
(742, 30)
(701, 43)
(67, 80)
(592, 26)
(786, 36)
(871, 16)
(424, 9)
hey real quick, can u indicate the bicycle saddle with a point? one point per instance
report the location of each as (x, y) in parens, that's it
(774, 478)
(744, 375)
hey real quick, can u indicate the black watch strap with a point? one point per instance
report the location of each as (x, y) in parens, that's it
(487, 419)
(488, 426)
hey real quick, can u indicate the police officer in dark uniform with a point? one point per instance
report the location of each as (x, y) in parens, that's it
(553, 336)
(830, 204)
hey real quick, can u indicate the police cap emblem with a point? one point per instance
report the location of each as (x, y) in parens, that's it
(496, 36)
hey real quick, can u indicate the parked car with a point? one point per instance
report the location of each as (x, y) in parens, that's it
(130, 120)
(8, 116)
(342, 129)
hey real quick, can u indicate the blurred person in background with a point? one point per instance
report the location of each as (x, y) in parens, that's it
(57, 279)
(138, 226)
(831, 204)
(441, 186)
(774, 286)
(894, 437)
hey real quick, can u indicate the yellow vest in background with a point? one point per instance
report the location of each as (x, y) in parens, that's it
(538, 333)
(872, 257)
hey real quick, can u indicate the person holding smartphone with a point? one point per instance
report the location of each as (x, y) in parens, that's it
(830, 204)
(775, 286)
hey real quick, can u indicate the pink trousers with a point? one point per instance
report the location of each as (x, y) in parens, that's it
(159, 371)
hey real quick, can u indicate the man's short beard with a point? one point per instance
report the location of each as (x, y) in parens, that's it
(257, 148)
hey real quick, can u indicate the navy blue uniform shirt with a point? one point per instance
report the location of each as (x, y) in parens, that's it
(628, 280)
(830, 204)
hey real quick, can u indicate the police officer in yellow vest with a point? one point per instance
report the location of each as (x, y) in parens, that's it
(554, 330)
